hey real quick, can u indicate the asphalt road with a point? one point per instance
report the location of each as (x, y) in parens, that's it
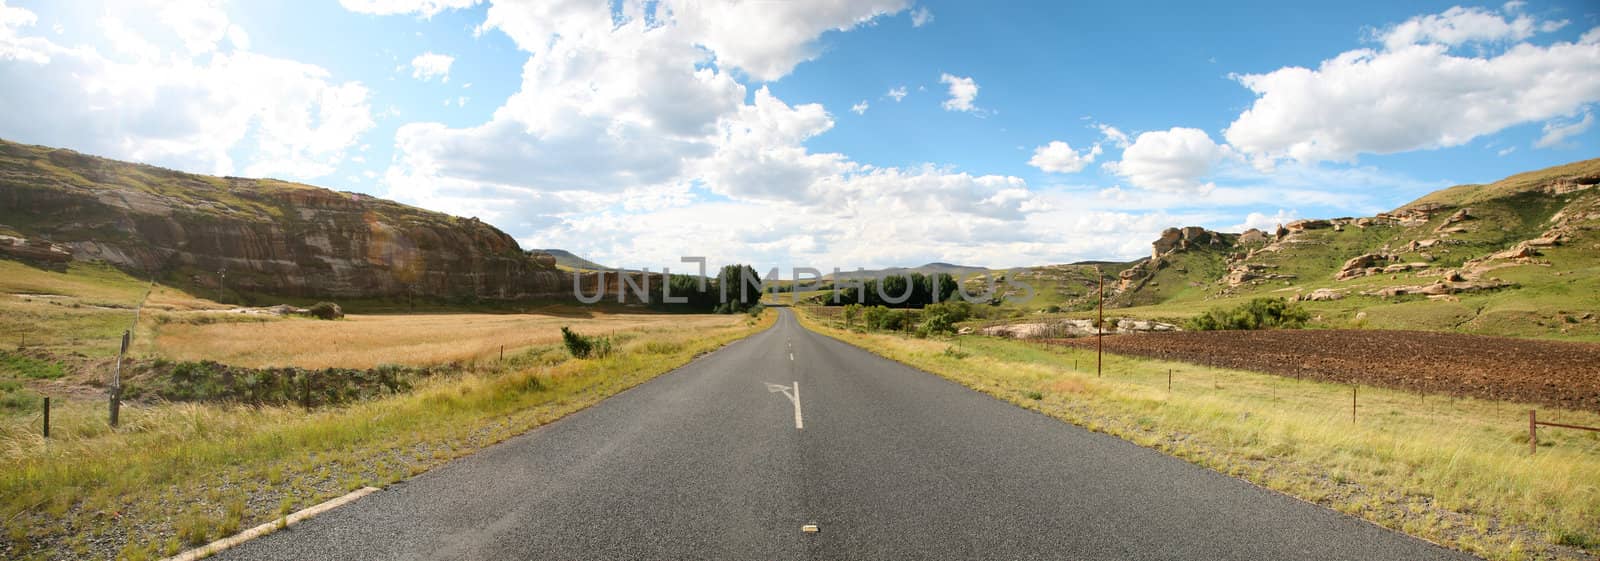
(706, 462)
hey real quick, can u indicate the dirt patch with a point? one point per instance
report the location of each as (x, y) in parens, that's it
(1552, 373)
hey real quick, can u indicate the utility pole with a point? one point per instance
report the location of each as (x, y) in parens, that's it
(1100, 327)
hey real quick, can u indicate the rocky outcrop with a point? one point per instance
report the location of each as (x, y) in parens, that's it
(1178, 239)
(35, 250)
(1414, 215)
(1071, 328)
(1321, 295)
(1253, 237)
(1303, 225)
(1363, 265)
(1441, 287)
(262, 236)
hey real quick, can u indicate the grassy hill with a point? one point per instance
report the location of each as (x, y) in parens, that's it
(1519, 257)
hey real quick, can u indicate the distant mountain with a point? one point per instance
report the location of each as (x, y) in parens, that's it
(569, 260)
(928, 269)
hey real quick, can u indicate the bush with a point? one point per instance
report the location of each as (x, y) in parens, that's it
(1260, 313)
(325, 310)
(941, 318)
(584, 346)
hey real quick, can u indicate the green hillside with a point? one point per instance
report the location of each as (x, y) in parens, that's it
(1519, 257)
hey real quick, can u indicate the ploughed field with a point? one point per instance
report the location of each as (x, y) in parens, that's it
(1553, 373)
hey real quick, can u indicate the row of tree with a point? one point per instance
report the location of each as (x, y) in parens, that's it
(915, 290)
(736, 289)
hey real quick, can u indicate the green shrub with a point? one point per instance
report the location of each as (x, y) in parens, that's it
(941, 318)
(585, 346)
(29, 367)
(325, 310)
(1260, 313)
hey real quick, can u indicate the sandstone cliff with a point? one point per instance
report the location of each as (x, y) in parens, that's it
(256, 235)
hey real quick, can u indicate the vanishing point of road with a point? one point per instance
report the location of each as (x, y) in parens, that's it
(711, 462)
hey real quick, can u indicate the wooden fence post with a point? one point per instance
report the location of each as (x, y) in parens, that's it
(1533, 432)
(47, 416)
(1169, 381)
(1353, 403)
(116, 405)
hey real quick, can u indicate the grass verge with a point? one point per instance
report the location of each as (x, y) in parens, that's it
(1456, 472)
(179, 475)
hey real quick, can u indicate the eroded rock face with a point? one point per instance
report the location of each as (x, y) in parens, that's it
(261, 236)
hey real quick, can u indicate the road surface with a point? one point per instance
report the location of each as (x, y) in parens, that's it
(706, 462)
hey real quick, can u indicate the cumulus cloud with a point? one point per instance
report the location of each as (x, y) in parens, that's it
(420, 8)
(1557, 132)
(860, 108)
(962, 92)
(1170, 160)
(767, 39)
(1059, 157)
(896, 94)
(1417, 93)
(189, 109)
(430, 65)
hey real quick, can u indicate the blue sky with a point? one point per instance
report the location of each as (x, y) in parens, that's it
(777, 133)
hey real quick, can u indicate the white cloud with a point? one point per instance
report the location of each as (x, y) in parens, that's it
(1460, 26)
(189, 109)
(200, 24)
(1170, 160)
(422, 8)
(1416, 94)
(1113, 135)
(430, 65)
(860, 108)
(1059, 157)
(921, 16)
(896, 94)
(1265, 222)
(767, 39)
(1555, 132)
(962, 92)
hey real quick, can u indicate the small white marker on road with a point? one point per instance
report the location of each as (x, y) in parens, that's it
(810, 529)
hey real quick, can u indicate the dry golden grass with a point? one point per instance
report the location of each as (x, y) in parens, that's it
(365, 341)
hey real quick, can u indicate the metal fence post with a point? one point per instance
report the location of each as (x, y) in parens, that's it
(47, 416)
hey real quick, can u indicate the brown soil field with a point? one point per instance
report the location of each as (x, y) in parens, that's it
(1552, 373)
